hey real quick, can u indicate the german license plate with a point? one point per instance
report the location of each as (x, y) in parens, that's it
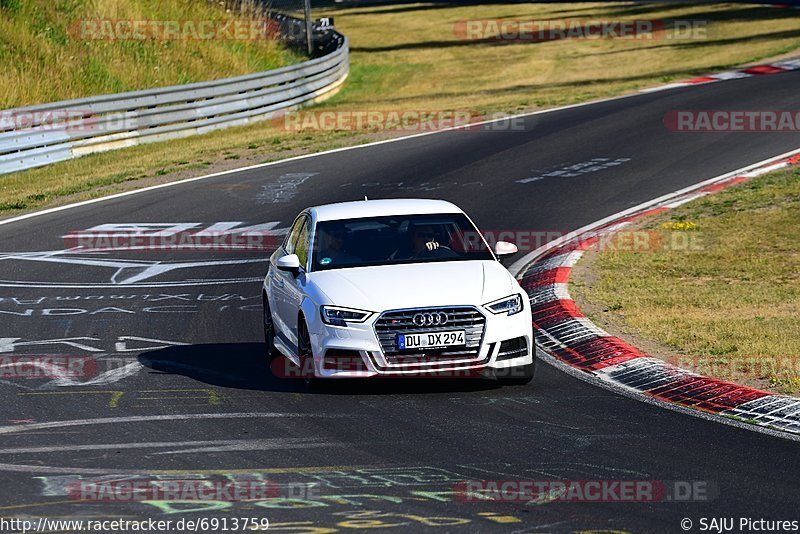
(428, 340)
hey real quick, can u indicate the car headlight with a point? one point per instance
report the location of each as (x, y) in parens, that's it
(336, 316)
(509, 305)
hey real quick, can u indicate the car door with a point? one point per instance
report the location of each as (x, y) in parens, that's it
(278, 280)
(295, 284)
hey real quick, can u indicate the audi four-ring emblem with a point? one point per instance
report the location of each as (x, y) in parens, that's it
(430, 319)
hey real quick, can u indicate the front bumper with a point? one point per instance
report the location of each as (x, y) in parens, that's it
(354, 351)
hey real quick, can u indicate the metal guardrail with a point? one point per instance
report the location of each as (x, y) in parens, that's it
(34, 136)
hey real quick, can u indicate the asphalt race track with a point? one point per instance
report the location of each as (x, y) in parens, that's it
(176, 384)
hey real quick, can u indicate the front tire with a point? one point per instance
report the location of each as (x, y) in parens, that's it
(522, 374)
(305, 354)
(269, 332)
(518, 376)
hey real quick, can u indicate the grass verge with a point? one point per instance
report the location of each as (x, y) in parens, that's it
(409, 57)
(48, 53)
(727, 308)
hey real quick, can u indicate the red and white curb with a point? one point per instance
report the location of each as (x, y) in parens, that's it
(567, 336)
(758, 70)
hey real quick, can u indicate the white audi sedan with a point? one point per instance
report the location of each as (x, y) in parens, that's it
(395, 288)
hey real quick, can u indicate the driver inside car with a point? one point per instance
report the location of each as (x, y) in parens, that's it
(422, 243)
(423, 239)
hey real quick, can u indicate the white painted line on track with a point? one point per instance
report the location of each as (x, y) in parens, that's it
(18, 429)
(520, 264)
(324, 153)
(202, 446)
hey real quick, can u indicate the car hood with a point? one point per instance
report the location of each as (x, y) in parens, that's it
(415, 285)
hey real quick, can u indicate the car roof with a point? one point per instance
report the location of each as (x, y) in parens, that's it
(384, 207)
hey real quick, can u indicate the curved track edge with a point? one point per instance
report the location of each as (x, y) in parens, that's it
(570, 341)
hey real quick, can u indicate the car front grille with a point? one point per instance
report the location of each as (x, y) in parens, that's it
(466, 318)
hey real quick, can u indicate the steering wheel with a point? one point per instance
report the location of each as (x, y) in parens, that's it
(435, 252)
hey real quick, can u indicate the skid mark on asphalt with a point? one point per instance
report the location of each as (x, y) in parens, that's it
(113, 401)
(415, 187)
(485, 400)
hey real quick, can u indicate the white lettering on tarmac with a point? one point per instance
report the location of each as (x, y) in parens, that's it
(126, 272)
(109, 377)
(147, 297)
(10, 344)
(284, 189)
(577, 169)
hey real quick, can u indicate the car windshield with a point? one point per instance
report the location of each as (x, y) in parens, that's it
(396, 239)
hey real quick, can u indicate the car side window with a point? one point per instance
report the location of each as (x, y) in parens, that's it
(301, 247)
(290, 242)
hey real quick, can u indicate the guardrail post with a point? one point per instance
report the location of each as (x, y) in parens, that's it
(309, 43)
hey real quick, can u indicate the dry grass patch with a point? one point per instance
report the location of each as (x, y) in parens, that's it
(732, 307)
(45, 59)
(409, 58)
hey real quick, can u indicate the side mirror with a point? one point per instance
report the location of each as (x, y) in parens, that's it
(504, 248)
(290, 262)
